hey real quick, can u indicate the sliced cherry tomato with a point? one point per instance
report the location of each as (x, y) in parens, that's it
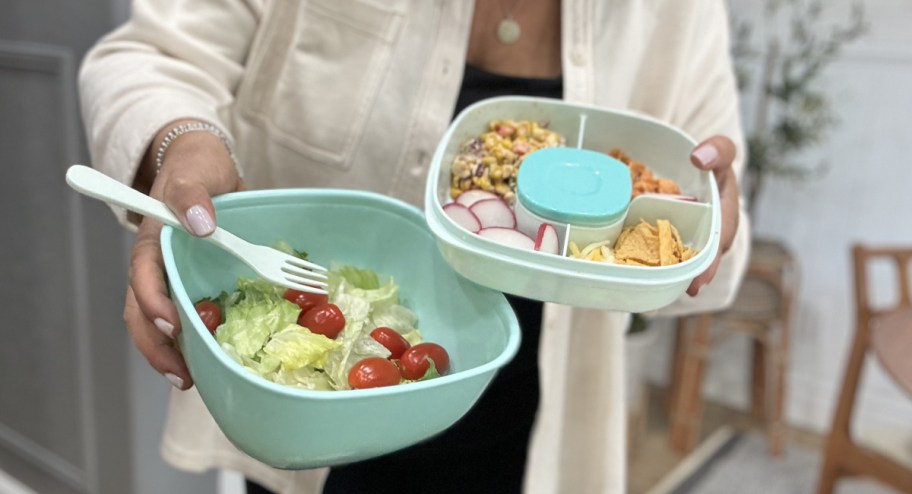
(392, 340)
(305, 300)
(325, 319)
(414, 362)
(210, 313)
(373, 372)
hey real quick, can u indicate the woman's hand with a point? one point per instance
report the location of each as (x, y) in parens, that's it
(196, 167)
(716, 154)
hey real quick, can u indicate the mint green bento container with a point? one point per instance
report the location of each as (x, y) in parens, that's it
(561, 279)
(291, 428)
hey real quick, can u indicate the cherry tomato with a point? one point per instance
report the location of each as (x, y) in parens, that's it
(305, 300)
(414, 362)
(210, 313)
(392, 340)
(325, 319)
(373, 372)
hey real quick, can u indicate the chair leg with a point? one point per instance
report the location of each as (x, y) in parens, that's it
(758, 378)
(677, 360)
(780, 383)
(839, 439)
(774, 425)
(829, 473)
(688, 403)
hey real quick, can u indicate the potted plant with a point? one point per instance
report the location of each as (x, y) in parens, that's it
(792, 111)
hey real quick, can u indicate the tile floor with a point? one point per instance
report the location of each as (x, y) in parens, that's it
(651, 458)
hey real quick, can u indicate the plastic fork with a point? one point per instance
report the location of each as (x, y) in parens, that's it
(274, 265)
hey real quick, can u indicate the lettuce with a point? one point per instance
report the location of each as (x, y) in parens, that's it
(363, 279)
(295, 347)
(355, 341)
(259, 313)
(395, 317)
(261, 331)
(302, 377)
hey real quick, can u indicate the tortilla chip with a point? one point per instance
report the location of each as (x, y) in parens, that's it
(668, 252)
(647, 245)
(639, 243)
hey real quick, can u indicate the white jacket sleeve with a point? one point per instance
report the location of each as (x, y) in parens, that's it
(173, 59)
(712, 108)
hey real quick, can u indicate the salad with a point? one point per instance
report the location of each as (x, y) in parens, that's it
(359, 336)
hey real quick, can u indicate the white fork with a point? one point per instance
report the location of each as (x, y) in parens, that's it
(276, 266)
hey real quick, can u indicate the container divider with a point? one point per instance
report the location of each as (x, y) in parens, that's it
(565, 242)
(582, 131)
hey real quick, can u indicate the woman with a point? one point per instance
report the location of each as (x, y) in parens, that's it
(191, 94)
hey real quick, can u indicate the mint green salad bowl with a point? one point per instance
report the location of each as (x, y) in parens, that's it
(293, 428)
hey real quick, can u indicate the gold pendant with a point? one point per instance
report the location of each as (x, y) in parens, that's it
(508, 31)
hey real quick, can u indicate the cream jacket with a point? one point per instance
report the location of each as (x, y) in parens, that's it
(356, 94)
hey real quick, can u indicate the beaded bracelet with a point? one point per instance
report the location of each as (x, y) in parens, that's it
(183, 128)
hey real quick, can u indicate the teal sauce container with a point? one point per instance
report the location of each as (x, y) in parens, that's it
(573, 188)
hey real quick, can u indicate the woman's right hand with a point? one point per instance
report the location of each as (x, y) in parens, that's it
(196, 167)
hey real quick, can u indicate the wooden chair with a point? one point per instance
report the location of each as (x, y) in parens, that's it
(888, 332)
(762, 310)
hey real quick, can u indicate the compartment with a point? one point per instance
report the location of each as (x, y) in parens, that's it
(474, 121)
(693, 220)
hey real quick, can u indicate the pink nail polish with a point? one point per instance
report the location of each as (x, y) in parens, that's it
(174, 380)
(164, 326)
(706, 155)
(200, 221)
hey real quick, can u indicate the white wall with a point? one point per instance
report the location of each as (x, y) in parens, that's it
(864, 197)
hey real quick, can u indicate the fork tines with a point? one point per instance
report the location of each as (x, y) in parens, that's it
(304, 275)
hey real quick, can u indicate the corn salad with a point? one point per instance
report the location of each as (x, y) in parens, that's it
(491, 161)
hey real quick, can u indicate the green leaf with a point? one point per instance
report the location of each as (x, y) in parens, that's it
(431, 372)
(296, 347)
(288, 249)
(259, 313)
(364, 279)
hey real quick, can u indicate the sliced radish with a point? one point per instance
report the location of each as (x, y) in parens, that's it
(472, 196)
(508, 237)
(546, 241)
(494, 212)
(462, 216)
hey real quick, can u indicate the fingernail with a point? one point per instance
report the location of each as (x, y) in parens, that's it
(706, 155)
(165, 327)
(200, 221)
(174, 380)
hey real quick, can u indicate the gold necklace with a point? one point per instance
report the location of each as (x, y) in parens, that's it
(508, 30)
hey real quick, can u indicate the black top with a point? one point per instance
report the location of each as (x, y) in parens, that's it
(478, 84)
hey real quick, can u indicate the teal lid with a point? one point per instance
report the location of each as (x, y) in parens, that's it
(575, 186)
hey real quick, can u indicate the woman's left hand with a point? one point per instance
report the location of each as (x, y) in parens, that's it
(716, 154)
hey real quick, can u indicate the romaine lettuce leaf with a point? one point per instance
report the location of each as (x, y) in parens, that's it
(303, 377)
(296, 347)
(355, 340)
(364, 279)
(261, 364)
(394, 316)
(260, 312)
